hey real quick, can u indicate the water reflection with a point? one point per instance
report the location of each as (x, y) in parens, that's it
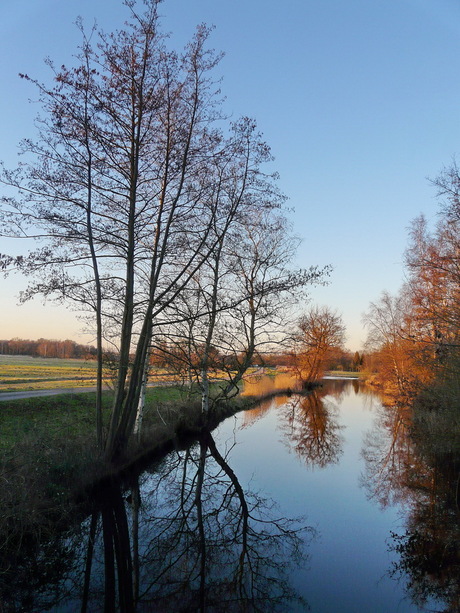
(188, 538)
(428, 562)
(309, 423)
(429, 550)
(260, 383)
(213, 546)
(390, 457)
(310, 426)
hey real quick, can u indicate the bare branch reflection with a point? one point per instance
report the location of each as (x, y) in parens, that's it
(429, 550)
(428, 562)
(310, 426)
(215, 546)
(389, 457)
(187, 538)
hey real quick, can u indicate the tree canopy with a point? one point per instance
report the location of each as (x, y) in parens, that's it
(151, 210)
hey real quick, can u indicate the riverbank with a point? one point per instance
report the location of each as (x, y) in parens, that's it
(437, 421)
(344, 374)
(50, 464)
(49, 456)
(159, 522)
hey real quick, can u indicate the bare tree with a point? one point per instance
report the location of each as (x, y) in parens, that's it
(238, 304)
(141, 195)
(266, 288)
(321, 332)
(116, 186)
(433, 266)
(248, 299)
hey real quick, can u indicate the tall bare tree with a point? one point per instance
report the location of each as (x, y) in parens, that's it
(116, 186)
(137, 187)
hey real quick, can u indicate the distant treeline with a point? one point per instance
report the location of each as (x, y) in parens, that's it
(46, 348)
(339, 360)
(177, 358)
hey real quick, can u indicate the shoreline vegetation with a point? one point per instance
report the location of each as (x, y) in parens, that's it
(52, 469)
(435, 418)
(50, 464)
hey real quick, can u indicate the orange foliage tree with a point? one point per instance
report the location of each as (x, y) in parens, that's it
(320, 336)
(415, 336)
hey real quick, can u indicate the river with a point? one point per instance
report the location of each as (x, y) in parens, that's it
(303, 503)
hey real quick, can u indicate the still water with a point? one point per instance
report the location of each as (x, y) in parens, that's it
(313, 456)
(303, 503)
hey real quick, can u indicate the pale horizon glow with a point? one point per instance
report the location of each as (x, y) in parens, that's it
(359, 102)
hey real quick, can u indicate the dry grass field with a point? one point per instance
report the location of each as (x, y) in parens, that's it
(21, 372)
(25, 373)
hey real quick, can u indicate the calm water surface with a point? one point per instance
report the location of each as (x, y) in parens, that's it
(301, 502)
(327, 456)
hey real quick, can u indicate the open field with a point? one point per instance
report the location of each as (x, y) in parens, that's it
(26, 373)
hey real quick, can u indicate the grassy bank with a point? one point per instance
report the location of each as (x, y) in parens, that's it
(48, 454)
(49, 458)
(68, 416)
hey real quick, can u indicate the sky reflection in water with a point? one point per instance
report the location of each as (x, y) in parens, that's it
(297, 502)
(323, 474)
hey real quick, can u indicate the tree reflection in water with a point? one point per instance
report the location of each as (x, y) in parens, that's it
(390, 459)
(215, 547)
(194, 540)
(429, 550)
(311, 427)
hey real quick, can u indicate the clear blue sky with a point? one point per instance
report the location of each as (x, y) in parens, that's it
(359, 101)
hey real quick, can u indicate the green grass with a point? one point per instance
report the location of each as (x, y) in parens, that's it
(69, 415)
(54, 416)
(48, 453)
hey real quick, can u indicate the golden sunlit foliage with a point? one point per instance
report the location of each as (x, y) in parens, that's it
(414, 336)
(320, 338)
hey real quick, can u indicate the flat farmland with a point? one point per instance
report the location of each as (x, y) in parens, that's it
(19, 373)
